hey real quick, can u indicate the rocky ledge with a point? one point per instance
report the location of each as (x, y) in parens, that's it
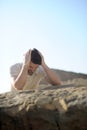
(52, 108)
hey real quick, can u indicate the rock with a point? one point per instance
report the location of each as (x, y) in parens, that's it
(53, 108)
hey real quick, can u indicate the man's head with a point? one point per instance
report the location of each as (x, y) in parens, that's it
(35, 57)
(35, 61)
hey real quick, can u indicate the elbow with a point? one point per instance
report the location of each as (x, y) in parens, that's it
(16, 87)
(57, 83)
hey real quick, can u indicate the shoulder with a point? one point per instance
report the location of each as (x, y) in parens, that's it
(15, 68)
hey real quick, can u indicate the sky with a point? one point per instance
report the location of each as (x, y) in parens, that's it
(57, 28)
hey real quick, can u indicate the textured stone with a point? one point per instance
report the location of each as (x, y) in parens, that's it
(52, 108)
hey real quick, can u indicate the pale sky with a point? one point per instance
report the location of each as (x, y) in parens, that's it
(58, 28)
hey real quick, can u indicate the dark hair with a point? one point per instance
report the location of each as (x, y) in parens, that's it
(35, 57)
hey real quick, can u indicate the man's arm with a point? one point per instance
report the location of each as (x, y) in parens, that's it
(19, 81)
(52, 77)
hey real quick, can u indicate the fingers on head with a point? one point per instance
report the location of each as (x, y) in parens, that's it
(30, 50)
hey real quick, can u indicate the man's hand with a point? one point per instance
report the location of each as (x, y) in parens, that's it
(27, 58)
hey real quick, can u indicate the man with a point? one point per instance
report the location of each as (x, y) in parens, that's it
(27, 75)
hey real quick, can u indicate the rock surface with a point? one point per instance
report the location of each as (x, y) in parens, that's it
(52, 108)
